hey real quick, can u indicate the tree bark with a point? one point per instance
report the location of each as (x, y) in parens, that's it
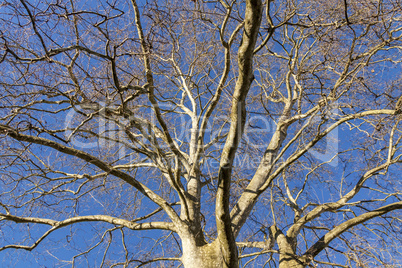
(225, 234)
(287, 254)
(207, 256)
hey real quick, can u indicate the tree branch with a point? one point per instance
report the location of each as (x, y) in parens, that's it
(60, 224)
(343, 227)
(100, 164)
(253, 15)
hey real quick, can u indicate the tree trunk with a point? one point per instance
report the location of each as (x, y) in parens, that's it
(210, 255)
(289, 262)
(207, 256)
(287, 254)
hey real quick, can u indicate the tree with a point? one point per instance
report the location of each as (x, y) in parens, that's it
(230, 133)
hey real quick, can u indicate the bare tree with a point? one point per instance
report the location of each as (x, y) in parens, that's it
(201, 133)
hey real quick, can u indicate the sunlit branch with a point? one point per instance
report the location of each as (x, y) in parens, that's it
(343, 227)
(97, 162)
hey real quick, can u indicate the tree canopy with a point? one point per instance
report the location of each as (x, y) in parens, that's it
(200, 133)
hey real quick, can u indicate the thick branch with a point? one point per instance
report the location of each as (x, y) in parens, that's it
(343, 227)
(100, 164)
(103, 218)
(263, 176)
(252, 23)
(60, 224)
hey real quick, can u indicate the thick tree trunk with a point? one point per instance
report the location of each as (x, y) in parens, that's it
(207, 256)
(210, 255)
(287, 254)
(287, 262)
